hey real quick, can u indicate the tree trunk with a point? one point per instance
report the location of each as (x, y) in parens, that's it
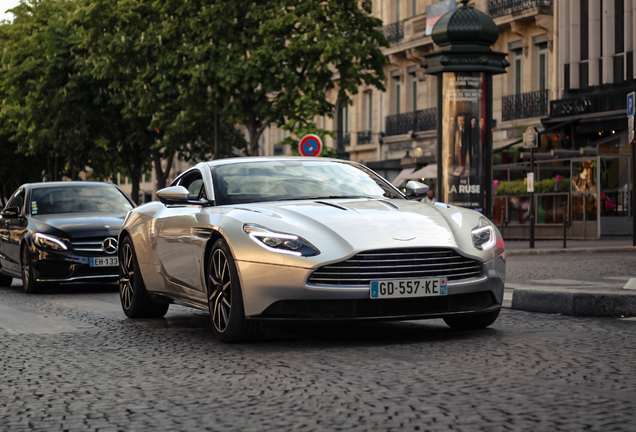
(160, 173)
(4, 203)
(255, 132)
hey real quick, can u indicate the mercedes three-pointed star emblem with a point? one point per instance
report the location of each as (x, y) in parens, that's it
(109, 245)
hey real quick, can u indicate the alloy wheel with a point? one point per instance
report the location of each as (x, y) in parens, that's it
(127, 277)
(220, 298)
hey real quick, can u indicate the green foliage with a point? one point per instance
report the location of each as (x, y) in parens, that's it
(518, 187)
(115, 85)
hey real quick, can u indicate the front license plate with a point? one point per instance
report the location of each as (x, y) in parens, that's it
(105, 262)
(408, 288)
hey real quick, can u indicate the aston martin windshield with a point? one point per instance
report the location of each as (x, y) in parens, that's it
(296, 180)
(78, 199)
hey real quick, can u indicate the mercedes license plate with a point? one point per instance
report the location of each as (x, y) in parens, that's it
(408, 288)
(104, 262)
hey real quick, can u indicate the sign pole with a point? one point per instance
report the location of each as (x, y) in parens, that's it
(532, 201)
(631, 102)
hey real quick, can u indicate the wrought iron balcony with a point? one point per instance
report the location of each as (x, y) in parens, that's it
(525, 105)
(499, 8)
(279, 150)
(365, 137)
(394, 32)
(344, 139)
(414, 121)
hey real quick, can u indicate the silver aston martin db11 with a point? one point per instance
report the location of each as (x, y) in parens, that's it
(307, 239)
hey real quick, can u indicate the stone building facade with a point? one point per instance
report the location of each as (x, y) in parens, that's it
(397, 129)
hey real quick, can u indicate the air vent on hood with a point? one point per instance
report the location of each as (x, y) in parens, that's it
(331, 204)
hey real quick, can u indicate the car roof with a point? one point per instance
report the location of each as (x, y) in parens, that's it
(65, 184)
(269, 158)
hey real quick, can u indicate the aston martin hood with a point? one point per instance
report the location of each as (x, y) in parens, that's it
(368, 223)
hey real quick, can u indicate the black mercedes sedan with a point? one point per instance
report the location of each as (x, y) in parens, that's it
(61, 232)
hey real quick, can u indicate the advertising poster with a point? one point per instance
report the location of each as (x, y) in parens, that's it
(464, 139)
(435, 11)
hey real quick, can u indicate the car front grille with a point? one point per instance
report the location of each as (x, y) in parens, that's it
(89, 246)
(391, 264)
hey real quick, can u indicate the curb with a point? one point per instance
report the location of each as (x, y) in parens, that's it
(513, 252)
(575, 302)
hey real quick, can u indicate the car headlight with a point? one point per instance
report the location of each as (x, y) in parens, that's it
(49, 242)
(484, 236)
(280, 242)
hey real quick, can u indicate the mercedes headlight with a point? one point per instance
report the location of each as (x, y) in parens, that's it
(49, 242)
(280, 242)
(484, 236)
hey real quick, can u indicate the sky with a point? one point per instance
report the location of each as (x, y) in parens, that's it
(7, 4)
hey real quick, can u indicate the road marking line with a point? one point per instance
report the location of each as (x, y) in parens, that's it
(631, 284)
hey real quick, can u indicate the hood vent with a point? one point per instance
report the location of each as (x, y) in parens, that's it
(331, 204)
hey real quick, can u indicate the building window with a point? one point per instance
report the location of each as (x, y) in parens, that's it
(584, 30)
(543, 66)
(396, 11)
(413, 7)
(396, 90)
(368, 99)
(619, 26)
(413, 93)
(518, 71)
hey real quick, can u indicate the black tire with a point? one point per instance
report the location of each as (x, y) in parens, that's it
(225, 300)
(472, 322)
(135, 300)
(29, 284)
(5, 281)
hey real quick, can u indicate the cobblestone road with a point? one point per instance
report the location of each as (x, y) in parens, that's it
(70, 360)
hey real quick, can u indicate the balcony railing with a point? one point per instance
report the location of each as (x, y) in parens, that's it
(414, 121)
(525, 105)
(394, 32)
(365, 137)
(499, 8)
(344, 139)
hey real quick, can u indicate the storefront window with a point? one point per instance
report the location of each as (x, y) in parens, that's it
(614, 187)
(584, 207)
(519, 210)
(584, 175)
(550, 208)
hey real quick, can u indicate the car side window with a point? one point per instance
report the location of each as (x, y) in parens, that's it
(193, 182)
(17, 200)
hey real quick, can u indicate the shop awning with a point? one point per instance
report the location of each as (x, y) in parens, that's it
(428, 172)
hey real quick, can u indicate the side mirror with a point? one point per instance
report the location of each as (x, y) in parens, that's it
(416, 189)
(11, 212)
(173, 194)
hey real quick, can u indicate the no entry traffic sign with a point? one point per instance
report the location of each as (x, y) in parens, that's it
(310, 145)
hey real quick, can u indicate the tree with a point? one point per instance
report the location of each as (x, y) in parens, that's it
(159, 65)
(55, 115)
(283, 56)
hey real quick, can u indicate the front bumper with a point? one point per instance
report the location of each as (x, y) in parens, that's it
(272, 292)
(67, 266)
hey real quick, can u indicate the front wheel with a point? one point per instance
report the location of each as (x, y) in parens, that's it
(471, 322)
(225, 300)
(30, 285)
(135, 300)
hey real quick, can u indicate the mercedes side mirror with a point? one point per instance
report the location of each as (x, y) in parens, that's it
(11, 212)
(416, 189)
(173, 195)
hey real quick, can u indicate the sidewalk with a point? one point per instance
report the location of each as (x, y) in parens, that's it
(548, 247)
(610, 297)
